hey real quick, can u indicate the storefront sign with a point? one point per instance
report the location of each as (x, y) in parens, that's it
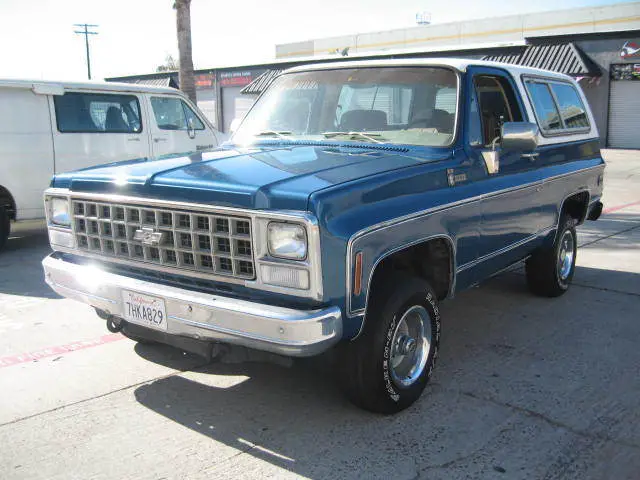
(236, 79)
(205, 80)
(625, 71)
(630, 50)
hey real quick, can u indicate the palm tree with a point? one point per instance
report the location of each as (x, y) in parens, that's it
(183, 24)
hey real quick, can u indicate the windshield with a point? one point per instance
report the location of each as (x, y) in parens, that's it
(399, 105)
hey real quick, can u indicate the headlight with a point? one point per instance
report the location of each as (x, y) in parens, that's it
(287, 240)
(59, 211)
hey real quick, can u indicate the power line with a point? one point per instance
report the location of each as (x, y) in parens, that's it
(86, 34)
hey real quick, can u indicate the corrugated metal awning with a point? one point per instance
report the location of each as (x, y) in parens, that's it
(155, 82)
(563, 57)
(168, 81)
(261, 83)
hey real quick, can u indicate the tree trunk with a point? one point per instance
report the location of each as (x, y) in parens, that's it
(183, 24)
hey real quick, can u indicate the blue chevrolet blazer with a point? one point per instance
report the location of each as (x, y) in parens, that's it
(351, 200)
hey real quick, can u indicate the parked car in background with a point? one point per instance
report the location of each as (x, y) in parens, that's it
(47, 128)
(352, 199)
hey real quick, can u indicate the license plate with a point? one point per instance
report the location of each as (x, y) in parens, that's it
(144, 310)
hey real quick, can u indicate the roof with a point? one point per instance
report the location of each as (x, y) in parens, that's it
(592, 20)
(459, 64)
(563, 57)
(63, 85)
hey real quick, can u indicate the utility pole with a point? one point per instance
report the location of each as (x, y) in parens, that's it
(86, 34)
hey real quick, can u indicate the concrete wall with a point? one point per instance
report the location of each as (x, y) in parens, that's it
(619, 17)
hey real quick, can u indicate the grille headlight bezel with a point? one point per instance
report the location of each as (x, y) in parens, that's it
(257, 234)
(59, 211)
(287, 240)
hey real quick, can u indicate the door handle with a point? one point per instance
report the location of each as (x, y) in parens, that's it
(530, 156)
(133, 139)
(159, 139)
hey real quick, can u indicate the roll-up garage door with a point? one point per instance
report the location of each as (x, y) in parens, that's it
(624, 114)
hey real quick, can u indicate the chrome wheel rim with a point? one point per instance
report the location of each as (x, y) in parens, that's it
(410, 346)
(566, 253)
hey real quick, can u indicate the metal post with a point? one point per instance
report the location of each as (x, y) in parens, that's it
(86, 34)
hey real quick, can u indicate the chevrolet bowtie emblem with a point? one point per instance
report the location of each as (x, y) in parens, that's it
(148, 236)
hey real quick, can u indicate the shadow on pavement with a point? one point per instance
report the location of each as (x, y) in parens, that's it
(168, 356)
(501, 347)
(20, 265)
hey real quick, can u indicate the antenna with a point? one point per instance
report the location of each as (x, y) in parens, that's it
(86, 34)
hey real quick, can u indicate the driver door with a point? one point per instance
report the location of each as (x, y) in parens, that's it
(511, 208)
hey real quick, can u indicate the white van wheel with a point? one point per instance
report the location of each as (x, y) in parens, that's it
(5, 226)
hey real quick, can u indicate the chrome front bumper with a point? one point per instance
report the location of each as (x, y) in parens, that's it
(204, 316)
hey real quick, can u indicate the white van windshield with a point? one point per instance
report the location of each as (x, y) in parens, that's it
(400, 105)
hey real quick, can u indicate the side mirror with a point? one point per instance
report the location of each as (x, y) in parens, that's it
(191, 129)
(235, 123)
(519, 136)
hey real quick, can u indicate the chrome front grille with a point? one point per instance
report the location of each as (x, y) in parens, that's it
(205, 242)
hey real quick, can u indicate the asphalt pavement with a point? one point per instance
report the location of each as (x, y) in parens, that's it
(525, 387)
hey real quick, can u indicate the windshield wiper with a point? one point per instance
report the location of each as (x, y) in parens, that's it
(362, 135)
(272, 133)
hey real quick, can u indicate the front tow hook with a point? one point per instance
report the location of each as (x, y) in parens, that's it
(114, 324)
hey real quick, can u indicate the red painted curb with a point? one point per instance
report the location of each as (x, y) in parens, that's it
(59, 350)
(620, 207)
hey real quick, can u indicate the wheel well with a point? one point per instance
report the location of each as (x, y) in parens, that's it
(576, 206)
(6, 200)
(431, 260)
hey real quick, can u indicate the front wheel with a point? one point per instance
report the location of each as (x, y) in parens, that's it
(388, 366)
(550, 271)
(5, 226)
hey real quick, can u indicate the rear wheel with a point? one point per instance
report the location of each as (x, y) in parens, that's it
(388, 366)
(5, 226)
(550, 271)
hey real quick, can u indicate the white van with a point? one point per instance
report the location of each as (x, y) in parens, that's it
(52, 127)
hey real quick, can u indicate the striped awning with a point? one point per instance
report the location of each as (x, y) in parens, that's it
(563, 57)
(261, 83)
(164, 81)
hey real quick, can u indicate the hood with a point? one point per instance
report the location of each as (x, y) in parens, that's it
(269, 177)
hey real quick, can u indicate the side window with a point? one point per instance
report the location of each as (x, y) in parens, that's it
(475, 123)
(572, 110)
(497, 103)
(97, 113)
(191, 115)
(544, 106)
(169, 113)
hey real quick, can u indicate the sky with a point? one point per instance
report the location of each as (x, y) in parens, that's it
(135, 36)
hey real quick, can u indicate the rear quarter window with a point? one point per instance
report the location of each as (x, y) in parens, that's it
(572, 110)
(557, 106)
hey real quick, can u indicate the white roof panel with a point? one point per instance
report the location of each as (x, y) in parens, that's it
(459, 64)
(105, 86)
